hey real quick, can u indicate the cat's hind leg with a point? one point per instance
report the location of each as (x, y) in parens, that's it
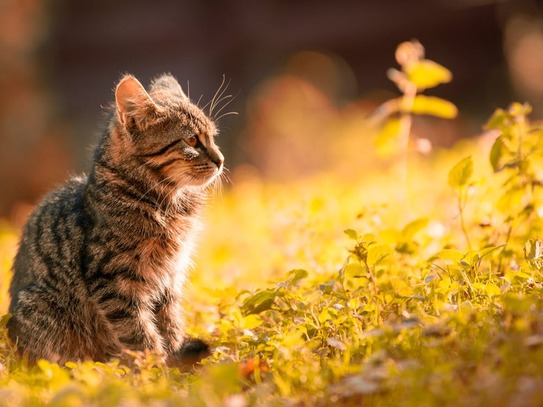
(46, 324)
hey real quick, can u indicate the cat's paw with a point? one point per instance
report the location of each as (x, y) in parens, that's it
(190, 354)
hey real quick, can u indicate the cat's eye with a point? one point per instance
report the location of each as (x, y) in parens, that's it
(192, 141)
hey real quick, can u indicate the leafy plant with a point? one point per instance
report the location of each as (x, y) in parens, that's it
(415, 76)
(517, 152)
(459, 177)
(390, 312)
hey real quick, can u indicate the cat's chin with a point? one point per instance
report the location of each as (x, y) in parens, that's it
(201, 182)
(210, 181)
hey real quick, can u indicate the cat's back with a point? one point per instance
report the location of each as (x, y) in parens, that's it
(51, 242)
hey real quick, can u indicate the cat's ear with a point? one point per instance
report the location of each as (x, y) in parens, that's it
(168, 85)
(134, 105)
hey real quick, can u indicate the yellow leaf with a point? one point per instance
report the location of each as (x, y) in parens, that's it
(324, 315)
(251, 321)
(434, 106)
(448, 254)
(428, 74)
(492, 290)
(377, 253)
(461, 173)
(354, 270)
(387, 141)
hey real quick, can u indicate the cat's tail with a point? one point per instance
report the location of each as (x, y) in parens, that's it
(191, 353)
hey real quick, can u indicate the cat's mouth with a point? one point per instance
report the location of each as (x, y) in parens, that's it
(199, 175)
(210, 173)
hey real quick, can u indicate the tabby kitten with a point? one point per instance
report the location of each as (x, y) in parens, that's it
(103, 260)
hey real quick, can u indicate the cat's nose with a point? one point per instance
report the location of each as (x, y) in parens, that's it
(217, 159)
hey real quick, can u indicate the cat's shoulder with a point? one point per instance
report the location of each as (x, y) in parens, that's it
(65, 197)
(70, 190)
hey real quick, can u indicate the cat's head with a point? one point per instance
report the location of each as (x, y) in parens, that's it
(165, 133)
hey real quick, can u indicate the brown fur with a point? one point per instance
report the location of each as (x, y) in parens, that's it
(103, 259)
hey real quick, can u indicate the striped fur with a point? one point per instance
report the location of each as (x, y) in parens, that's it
(103, 259)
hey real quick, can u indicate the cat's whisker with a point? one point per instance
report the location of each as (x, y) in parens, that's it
(221, 99)
(222, 179)
(229, 99)
(211, 102)
(226, 114)
(218, 95)
(219, 189)
(225, 174)
(228, 179)
(204, 107)
(217, 186)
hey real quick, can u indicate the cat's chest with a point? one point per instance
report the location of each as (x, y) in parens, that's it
(157, 257)
(147, 262)
(165, 259)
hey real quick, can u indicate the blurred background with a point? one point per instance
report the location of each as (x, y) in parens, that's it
(305, 75)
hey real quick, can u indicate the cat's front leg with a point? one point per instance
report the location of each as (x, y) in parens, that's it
(169, 319)
(182, 352)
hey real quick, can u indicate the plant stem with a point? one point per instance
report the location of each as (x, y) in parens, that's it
(406, 122)
(462, 199)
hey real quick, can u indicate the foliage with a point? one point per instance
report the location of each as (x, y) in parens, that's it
(416, 75)
(323, 291)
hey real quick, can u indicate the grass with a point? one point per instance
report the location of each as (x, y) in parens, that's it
(348, 288)
(396, 311)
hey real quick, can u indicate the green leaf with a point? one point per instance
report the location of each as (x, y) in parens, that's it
(517, 109)
(297, 275)
(294, 277)
(324, 315)
(499, 119)
(434, 106)
(489, 249)
(428, 74)
(377, 253)
(460, 174)
(478, 286)
(497, 153)
(448, 254)
(470, 258)
(251, 321)
(261, 301)
(354, 270)
(351, 233)
(492, 289)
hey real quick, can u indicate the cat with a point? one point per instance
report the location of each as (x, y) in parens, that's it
(103, 259)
